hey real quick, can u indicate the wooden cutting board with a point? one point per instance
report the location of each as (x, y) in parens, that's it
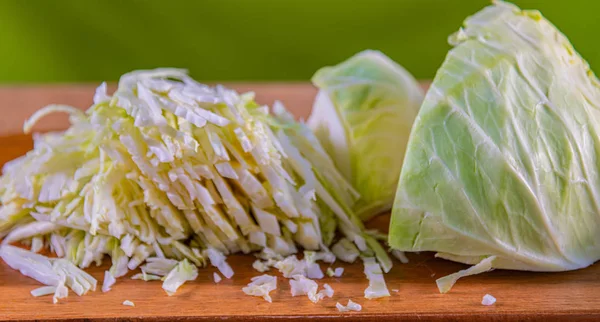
(522, 296)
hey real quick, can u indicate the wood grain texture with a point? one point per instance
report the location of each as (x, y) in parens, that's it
(522, 296)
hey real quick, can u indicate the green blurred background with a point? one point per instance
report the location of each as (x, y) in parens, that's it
(236, 40)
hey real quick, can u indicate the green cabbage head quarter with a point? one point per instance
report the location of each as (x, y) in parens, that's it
(362, 115)
(502, 165)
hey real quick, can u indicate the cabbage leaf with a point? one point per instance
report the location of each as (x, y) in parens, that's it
(362, 115)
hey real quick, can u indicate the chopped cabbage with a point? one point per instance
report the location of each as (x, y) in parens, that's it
(291, 266)
(335, 273)
(313, 270)
(488, 300)
(308, 267)
(338, 271)
(362, 115)
(345, 250)
(128, 303)
(326, 291)
(260, 266)
(216, 277)
(109, 281)
(329, 272)
(377, 287)
(37, 244)
(502, 161)
(184, 271)
(61, 292)
(44, 290)
(300, 285)
(158, 266)
(217, 259)
(352, 306)
(445, 283)
(261, 286)
(146, 277)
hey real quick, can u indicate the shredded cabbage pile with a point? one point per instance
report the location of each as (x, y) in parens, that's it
(167, 175)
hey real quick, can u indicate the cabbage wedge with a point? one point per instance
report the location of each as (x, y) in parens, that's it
(502, 167)
(362, 115)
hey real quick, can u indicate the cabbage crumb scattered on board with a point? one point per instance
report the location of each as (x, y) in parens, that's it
(184, 271)
(377, 287)
(260, 266)
(326, 291)
(300, 285)
(216, 277)
(351, 306)
(488, 300)
(128, 303)
(261, 286)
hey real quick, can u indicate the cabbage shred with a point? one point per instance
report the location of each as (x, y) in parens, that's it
(168, 173)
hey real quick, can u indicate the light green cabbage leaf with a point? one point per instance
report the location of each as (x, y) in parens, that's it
(362, 115)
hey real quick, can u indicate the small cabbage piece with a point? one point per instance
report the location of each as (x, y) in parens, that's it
(377, 287)
(146, 277)
(216, 277)
(362, 115)
(300, 285)
(183, 272)
(345, 250)
(326, 291)
(158, 266)
(261, 286)
(329, 272)
(335, 273)
(445, 283)
(291, 266)
(217, 259)
(313, 270)
(44, 290)
(260, 266)
(503, 161)
(488, 300)
(128, 303)
(352, 306)
(338, 272)
(108, 282)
